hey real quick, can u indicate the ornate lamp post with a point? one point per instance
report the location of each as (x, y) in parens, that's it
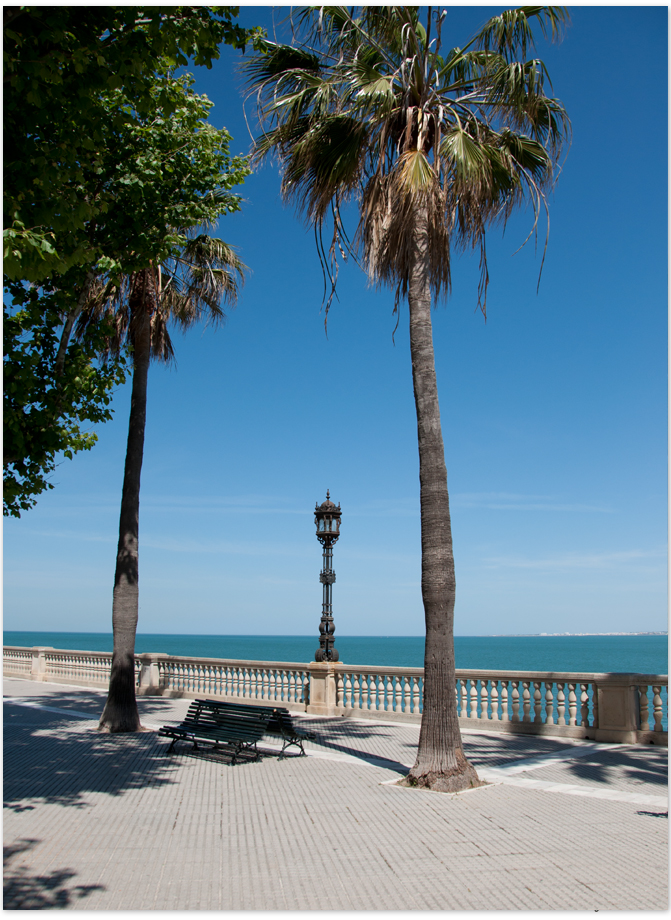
(327, 519)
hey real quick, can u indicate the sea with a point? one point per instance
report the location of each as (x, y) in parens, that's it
(641, 654)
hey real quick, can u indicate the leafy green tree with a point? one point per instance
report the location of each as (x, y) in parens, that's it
(67, 60)
(46, 402)
(167, 169)
(434, 143)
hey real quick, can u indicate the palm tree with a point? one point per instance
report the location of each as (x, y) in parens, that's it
(185, 289)
(433, 147)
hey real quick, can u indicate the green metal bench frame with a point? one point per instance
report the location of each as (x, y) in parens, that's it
(237, 725)
(206, 722)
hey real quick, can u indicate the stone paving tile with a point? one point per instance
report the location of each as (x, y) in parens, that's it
(629, 769)
(113, 823)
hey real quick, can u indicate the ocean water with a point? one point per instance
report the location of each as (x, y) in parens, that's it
(602, 654)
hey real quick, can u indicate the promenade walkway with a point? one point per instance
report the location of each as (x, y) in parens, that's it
(104, 822)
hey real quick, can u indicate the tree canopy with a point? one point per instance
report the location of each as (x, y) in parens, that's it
(154, 175)
(68, 60)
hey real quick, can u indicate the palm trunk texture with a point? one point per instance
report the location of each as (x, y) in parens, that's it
(441, 763)
(120, 713)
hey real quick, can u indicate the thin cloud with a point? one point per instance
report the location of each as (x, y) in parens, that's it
(575, 560)
(510, 501)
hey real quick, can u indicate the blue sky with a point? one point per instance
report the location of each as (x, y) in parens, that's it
(554, 412)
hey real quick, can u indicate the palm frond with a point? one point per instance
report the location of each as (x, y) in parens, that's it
(511, 32)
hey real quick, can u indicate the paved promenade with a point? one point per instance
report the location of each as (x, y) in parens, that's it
(104, 822)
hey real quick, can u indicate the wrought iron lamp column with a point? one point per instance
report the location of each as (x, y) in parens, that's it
(327, 519)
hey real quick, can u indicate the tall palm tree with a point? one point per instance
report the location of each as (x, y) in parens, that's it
(185, 289)
(434, 146)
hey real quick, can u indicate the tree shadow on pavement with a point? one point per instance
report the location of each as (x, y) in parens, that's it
(59, 760)
(23, 891)
(643, 765)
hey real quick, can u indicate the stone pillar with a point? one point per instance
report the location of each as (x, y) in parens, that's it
(617, 712)
(322, 689)
(149, 675)
(38, 668)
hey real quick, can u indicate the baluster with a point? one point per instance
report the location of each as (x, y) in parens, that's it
(398, 694)
(494, 696)
(561, 704)
(526, 701)
(504, 701)
(390, 694)
(381, 702)
(291, 686)
(549, 703)
(464, 697)
(417, 692)
(657, 708)
(572, 705)
(340, 689)
(473, 701)
(356, 693)
(484, 699)
(584, 706)
(407, 696)
(537, 701)
(366, 692)
(265, 685)
(371, 691)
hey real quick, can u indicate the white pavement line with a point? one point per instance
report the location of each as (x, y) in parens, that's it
(545, 760)
(613, 795)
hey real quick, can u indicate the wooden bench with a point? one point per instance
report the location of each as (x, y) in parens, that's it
(235, 724)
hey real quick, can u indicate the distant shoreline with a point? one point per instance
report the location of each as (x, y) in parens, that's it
(542, 635)
(549, 635)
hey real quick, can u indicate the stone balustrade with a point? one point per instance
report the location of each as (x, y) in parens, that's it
(628, 708)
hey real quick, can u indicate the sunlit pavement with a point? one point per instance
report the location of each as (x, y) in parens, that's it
(104, 822)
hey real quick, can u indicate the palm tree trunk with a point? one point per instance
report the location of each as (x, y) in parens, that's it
(120, 713)
(441, 763)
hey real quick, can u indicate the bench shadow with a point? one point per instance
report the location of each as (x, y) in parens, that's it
(23, 891)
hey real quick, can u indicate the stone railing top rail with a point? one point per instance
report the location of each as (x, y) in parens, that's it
(468, 673)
